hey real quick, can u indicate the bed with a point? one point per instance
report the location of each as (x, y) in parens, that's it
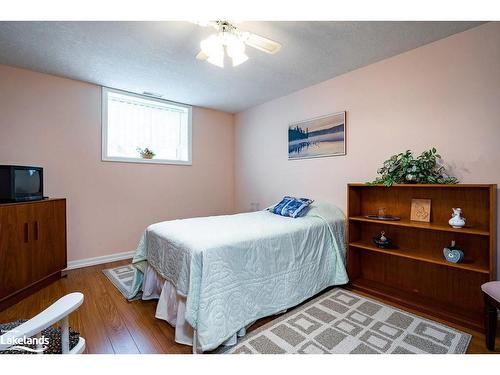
(221, 273)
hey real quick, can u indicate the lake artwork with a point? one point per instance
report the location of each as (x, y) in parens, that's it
(317, 137)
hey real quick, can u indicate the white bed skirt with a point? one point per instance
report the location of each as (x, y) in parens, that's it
(172, 307)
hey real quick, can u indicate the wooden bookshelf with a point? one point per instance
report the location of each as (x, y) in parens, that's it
(414, 272)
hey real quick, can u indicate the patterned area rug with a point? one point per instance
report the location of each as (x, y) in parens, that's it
(342, 322)
(122, 278)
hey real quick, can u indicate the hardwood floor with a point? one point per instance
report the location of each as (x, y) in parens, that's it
(110, 324)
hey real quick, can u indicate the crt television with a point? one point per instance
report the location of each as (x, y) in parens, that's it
(20, 183)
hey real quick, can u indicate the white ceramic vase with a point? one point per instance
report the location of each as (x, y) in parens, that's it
(457, 221)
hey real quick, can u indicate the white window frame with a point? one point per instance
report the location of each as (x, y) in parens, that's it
(104, 130)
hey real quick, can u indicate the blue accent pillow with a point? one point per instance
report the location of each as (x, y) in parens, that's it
(291, 206)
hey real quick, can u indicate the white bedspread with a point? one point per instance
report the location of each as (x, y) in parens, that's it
(235, 269)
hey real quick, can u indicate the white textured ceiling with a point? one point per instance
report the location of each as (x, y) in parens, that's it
(160, 56)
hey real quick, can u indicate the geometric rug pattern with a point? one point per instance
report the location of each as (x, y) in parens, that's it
(343, 322)
(122, 278)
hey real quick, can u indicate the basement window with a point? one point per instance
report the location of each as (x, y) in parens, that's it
(141, 129)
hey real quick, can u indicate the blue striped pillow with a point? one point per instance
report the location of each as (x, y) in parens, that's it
(291, 206)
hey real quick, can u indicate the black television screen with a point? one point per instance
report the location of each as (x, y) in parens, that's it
(27, 181)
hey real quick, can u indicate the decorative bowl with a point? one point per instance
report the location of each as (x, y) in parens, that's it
(383, 218)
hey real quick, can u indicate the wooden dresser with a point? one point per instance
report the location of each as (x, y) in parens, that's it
(32, 247)
(413, 272)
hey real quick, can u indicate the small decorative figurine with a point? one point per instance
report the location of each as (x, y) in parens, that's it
(457, 221)
(453, 254)
(382, 241)
(382, 212)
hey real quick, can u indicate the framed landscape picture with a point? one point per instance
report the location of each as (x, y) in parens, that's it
(317, 137)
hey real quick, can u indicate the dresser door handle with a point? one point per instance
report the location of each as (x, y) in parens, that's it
(26, 233)
(36, 230)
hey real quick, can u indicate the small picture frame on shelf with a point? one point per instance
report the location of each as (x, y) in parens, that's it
(420, 210)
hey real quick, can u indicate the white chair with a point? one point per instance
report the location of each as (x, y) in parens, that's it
(58, 311)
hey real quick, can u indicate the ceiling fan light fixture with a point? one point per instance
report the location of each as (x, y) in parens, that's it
(235, 48)
(217, 60)
(212, 49)
(231, 40)
(239, 59)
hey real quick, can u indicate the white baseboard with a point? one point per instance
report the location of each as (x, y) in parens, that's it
(99, 260)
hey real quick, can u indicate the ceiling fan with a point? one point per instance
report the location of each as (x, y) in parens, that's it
(229, 38)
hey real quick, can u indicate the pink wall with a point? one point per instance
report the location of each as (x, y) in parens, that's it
(55, 122)
(445, 94)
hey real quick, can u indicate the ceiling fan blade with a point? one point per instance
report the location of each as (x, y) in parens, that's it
(206, 23)
(261, 43)
(202, 56)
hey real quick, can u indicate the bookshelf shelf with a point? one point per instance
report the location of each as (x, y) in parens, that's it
(411, 254)
(428, 226)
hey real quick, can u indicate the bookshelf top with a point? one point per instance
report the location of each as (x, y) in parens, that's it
(489, 186)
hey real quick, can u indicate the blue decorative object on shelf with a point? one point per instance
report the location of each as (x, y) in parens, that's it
(453, 254)
(382, 241)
